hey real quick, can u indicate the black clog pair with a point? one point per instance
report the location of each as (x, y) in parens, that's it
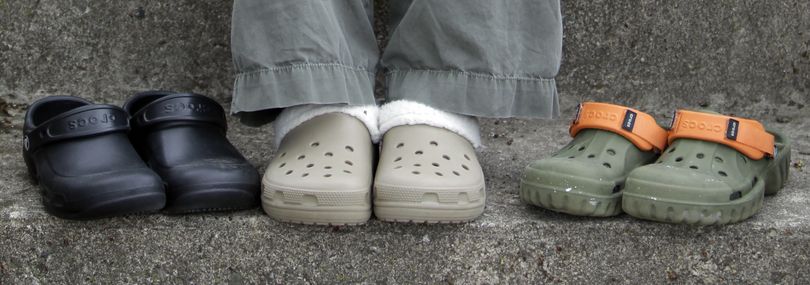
(162, 150)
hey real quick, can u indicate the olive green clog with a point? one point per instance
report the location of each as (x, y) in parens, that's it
(586, 177)
(715, 171)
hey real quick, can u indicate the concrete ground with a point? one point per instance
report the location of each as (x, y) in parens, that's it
(748, 58)
(511, 243)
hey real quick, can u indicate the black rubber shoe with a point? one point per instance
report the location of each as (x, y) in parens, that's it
(181, 136)
(80, 155)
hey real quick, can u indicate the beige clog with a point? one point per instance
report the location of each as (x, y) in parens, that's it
(322, 173)
(427, 174)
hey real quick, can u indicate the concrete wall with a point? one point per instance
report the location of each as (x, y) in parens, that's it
(744, 57)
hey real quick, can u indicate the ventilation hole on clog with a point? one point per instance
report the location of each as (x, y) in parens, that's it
(300, 157)
(347, 171)
(433, 143)
(693, 167)
(754, 181)
(591, 156)
(310, 165)
(606, 164)
(397, 159)
(415, 172)
(581, 148)
(718, 159)
(349, 163)
(699, 156)
(446, 157)
(283, 154)
(327, 175)
(398, 167)
(611, 152)
(417, 165)
(289, 172)
(722, 173)
(418, 152)
(679, 159)
(315, 144)
(400, 145)
(466, 157)
(617, 188)
(465, 167)
(435, 164)
(571, 157)
(305, 175)
(439, 174)
(328, 154)
(349, 148)
(282, 165)
(735, 195)
(327, 167)
(671, 150)
(456, 173)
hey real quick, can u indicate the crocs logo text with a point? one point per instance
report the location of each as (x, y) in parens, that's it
(602, 115)
(179, 107)
(91, 121)
(703, 126)
(629, 121)
(732, 128)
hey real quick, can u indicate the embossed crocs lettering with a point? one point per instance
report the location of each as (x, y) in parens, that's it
(86, 167)
(715, 171)
(587, 176)
(182, 137)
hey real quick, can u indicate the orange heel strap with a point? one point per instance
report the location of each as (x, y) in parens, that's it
(744, 135)
(638, 127)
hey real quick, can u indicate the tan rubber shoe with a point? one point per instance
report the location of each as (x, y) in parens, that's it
(322, 173)
(428, 175)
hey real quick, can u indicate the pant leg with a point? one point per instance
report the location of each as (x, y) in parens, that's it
(294, 52)
(491, 58)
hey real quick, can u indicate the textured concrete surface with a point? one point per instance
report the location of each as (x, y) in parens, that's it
(511, 243)
(744, 57)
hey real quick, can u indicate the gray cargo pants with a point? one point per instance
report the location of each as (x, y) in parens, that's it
(489, 58)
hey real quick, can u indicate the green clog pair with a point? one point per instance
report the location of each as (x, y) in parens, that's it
(707, 169)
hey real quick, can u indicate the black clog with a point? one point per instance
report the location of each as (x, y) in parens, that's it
(81, 156)
(181, 136)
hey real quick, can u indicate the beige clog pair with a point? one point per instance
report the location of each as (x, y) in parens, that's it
(323, 171)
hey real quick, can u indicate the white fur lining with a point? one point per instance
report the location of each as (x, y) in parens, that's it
(403, 112)
(294, 116)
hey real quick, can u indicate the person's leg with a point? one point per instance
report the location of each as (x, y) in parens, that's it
(317, 61)
(289, 53)
(446, 63)
(489, 58)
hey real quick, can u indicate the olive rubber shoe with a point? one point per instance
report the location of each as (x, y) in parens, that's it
(587, 176)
